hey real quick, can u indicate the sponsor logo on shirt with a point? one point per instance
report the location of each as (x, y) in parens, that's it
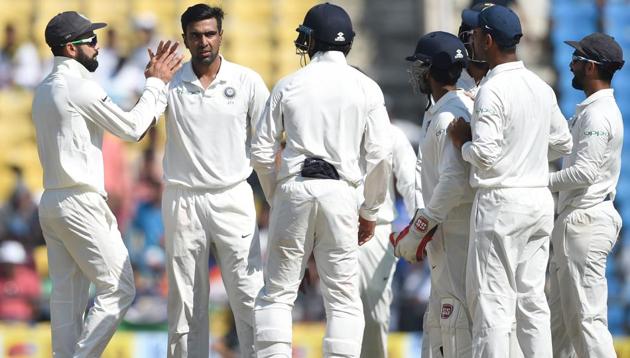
(596, 133)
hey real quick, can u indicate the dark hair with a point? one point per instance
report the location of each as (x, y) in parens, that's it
(606, 72)
(201, 12)
(58, 50)
(323, 47)
(448, 76)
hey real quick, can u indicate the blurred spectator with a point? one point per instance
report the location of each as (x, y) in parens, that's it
(19, 285)
(18, 217)
(129, 81)
(20, 63)
(109, 61)
(117, 180)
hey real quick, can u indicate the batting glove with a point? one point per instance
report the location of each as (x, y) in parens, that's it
(411, 242)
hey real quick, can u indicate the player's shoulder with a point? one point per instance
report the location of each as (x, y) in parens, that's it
(243, 73)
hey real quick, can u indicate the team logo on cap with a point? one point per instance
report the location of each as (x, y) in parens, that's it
(229, 92)
(459, 54)
(340, 37)
(447, 310)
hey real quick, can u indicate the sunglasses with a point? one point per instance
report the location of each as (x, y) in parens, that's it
(90, 41)
(576, 58)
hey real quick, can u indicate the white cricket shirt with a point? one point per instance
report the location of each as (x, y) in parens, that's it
(70, 113)
(328, 110)
(208, 131)
(444, 174)
(592, 169)
(515, 122)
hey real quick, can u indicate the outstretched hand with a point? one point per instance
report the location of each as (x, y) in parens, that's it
(164, 62)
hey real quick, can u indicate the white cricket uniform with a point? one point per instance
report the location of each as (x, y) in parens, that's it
(71, 112)
(586, 229)
(516, 121)
(208, 204)
(447, 198)
(328, 110)
(377, 262)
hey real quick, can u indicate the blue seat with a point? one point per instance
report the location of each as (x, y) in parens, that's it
(616, 318)
(617, 22)
(573, 20)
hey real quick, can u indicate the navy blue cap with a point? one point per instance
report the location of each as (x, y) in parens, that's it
(68, 26)
(440, 49)
(330, 24)
(599, 47)
(499, 21)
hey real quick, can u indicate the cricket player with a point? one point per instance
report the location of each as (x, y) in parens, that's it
(329, 111)
(437, 63)
(516, 121)
(588, 224)
(377, 262)
(476, 68)
(212, 107)
(71, 112)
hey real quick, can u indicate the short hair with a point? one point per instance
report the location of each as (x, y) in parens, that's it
(324, 47)
(447, 76)
(202, 12)
(606, 72)
(58, 50)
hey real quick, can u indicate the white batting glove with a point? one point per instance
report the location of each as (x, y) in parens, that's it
(411, 242)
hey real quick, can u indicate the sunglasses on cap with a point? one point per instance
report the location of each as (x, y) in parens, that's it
(577, 58)
(90, 41)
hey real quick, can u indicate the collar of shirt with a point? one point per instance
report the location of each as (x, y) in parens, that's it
(442, 101)
(608, 92)
(329, 56)
(188, 75)
(67, 64)
(504, 67)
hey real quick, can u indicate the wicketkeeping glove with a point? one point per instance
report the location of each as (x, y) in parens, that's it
(411, 242)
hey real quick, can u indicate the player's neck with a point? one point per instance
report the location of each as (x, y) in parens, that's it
(594, 86)
(206, 73)
(440, 91)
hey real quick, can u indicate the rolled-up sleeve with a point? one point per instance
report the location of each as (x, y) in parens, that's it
(91, 101)
(378, 158)
(487, 131)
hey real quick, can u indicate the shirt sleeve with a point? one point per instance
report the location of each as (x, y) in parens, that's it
(91, 101)
(591, 150)
(560, 141)
(452, 173)
(266, 142)
(378, 158)
(487, 131)
(403, 165)
(257, 99)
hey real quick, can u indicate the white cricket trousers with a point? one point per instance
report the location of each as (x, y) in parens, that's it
(507, 262)
(377, 264)
(318, 216)
(84, 245)
(448, 324)
(578, 291)
(195, 221)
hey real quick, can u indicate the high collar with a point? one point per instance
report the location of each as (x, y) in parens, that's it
(329, 56)
(608, 92)
(67, 64)
(443, 100)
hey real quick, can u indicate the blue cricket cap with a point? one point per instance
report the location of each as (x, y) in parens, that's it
(499, 21)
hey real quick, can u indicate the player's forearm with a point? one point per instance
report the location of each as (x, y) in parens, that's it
(574, 177)
(482, 156)
(375, 189)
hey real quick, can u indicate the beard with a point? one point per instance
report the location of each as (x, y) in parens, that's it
(90, 63)
(578, 80)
